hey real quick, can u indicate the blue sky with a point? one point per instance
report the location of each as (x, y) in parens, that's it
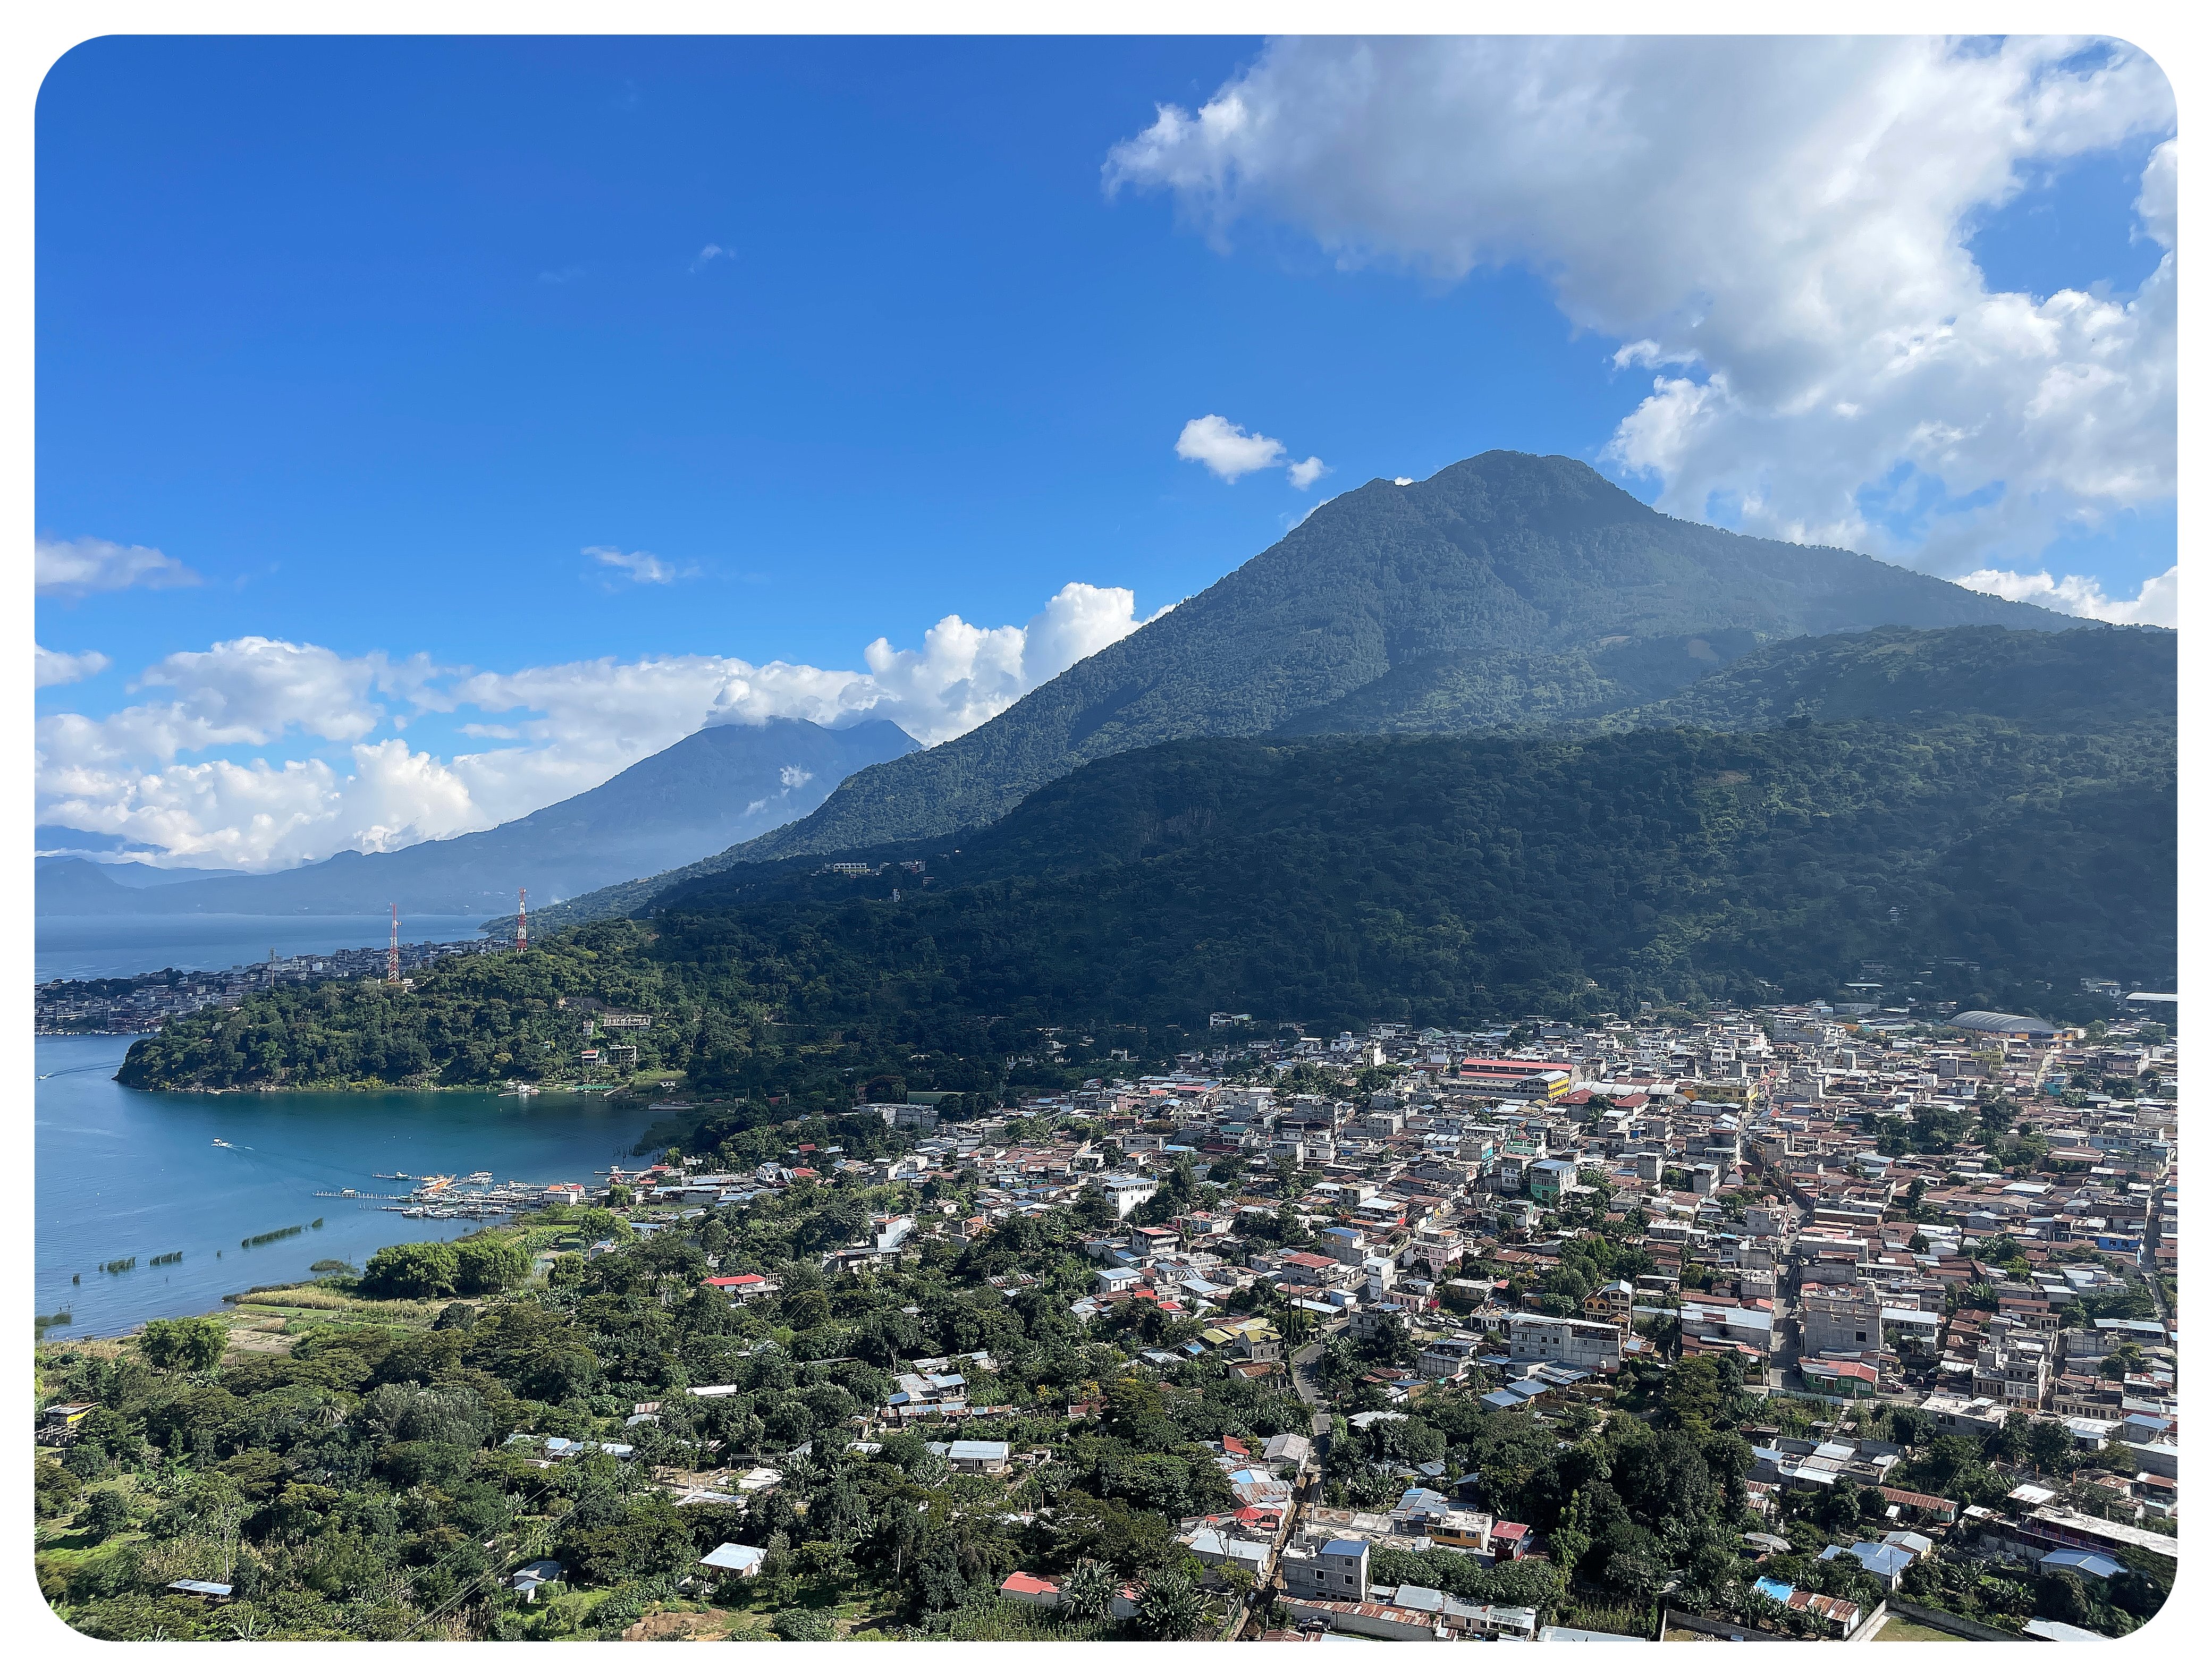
(377, 337)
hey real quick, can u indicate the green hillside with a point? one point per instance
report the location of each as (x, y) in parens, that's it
(1505, 590)
(1429, 879)
(2086, 679)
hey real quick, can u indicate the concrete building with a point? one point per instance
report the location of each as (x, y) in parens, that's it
(1840, 1321)
(1332, 1570)
(1594, 1346)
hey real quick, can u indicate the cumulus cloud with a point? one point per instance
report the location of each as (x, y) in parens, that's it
(1230, 452)
(1776, 229)
(550, 732)
(637, 566)
(2157, 603)
(708, 253)
(88, 565)
(59, 669)
(960, 677)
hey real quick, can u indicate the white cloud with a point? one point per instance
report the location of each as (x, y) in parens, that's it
(794, 777)
(562, 729)
(1230, 451)
(962, 676)
(637, 566)
(1227, 451)
(88, 565)
(2157, 603)
(1776, 227)
(59, 669)
(707, 254)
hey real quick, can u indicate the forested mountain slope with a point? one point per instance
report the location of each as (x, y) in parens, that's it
(1506, 589)
(2089, 679)
(1427, 879)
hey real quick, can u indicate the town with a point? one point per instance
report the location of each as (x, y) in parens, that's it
(1820, 1320)
(135, 1005)
(1817, 1198)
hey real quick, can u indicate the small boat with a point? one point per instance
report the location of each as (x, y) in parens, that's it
(222, 1143)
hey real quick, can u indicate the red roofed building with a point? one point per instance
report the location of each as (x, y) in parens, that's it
(1037, 1591)
(743, 1285)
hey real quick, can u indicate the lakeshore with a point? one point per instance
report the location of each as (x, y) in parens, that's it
(125, 1174)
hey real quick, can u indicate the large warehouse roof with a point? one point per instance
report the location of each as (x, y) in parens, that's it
(2003, 1023)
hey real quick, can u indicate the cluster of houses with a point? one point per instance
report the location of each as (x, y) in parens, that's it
(1788, 1200)
(140, 1005)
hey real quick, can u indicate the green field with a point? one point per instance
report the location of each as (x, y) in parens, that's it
(1898, 1629)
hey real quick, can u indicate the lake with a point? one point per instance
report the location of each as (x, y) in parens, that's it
(122, 1173)
(121, 945)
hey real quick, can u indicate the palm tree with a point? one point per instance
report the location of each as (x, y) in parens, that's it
(1090, 1589)
(1169, 1609)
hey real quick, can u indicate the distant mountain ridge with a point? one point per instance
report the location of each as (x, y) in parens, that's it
(1506, 591)
(717, 785)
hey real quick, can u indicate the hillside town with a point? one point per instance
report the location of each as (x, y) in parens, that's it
(135, 1005)
(1921, 1258)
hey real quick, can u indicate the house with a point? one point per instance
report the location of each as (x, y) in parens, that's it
(1217, 1548)
(1447, 1358)
(1334, 1570)
(1842, 1616)
(1880, 1559)
(744, 1288)
(975, 1457)
(1288, 1450)
(1547, 1178)
(733, 1559)
(1036, 1591)
(1911, 1505)
(1592, 1345)
(1834, 1378)
(1112, 1282)
(1383, 1623)
(529, 1579)
(1128, 1191)
(2080, 1562)
(1840, 1319)
(1155, 1241)
(2044, 1628)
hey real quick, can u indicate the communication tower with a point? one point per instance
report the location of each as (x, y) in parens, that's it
(522, 923)
(391, 959)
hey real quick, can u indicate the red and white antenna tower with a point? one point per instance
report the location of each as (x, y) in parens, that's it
(391, 959)
(522, 923)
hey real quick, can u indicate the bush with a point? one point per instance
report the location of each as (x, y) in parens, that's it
(188, 1345)
(797, 1624)
(431, 1269)
(488, 1265)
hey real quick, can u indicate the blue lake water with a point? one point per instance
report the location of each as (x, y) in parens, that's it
(122, 1173)
(121, 945)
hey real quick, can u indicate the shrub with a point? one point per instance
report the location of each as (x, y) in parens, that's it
(797, 1624)
(428, 1269)
(192, 1345)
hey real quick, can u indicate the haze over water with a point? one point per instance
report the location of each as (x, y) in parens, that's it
(122, 1173)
